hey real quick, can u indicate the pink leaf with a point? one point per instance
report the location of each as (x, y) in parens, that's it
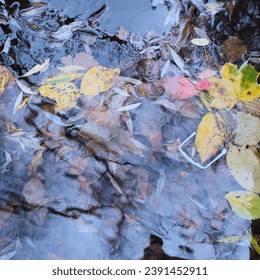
(207, 74)
(203, 85)
(178, 87)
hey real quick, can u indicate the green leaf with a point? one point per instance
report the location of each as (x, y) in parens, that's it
(249, 76)
(244, 204)
(62, 78)
(254, 243)
(245, 167)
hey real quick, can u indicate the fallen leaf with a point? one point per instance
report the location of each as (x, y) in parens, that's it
(245, 167)
(244, 204)
(129, 107)
(203, 85)
(25, 88)
(223, 93)
(234, 85)
(64, 94)
(81, 59)
(178, 87)
(37, 68)
(20, 106)
(178, 61)
(209, 137)
(71, 68)
(207, 73)
(253, 242)
(231, 239)
(247, 131)
(201, 42)
(100, 115)
(98, 79)
(33, 191)
(4, 77)
(62, 78)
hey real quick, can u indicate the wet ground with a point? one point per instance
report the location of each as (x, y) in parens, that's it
(93, 183)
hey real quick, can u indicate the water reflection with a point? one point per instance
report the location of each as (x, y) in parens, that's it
(92, 192)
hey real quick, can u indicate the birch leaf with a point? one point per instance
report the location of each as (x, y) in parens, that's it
(209, 137)
(247, 131)
(245, 167)
(98, 79)
(64, 94)
(244, 204)
(37, 68)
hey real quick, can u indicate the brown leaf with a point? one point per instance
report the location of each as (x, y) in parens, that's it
(33, 191)
(82, 59)
(77, 165)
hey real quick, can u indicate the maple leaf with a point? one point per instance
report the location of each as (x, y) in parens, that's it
(234, 85)
(98, 79)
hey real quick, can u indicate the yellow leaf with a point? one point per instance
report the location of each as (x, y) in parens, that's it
(231, 239)
(4, 76)
(209, 137)
(245, 167)
(250, 94)
(65, 95)
(223, 93)
(98, 79)
(228, 71)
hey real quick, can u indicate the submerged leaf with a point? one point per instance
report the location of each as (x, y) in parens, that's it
(244, 204)
(98, 79)
(62, 78)
(65, 94)
(37, 68)
(245, 167)
(209, 137)
(231, 239)
(178, 87)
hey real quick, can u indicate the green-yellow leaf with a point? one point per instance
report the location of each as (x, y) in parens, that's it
(247, 131)
(98, 79)
(62, 78)
(244, 204)
(209, 137)
(244, 165)
(254, 243)
(231, 239)
(64, 94)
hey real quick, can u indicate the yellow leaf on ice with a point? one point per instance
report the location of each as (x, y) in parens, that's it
(209, 137)
(244, 165)
(223, 93)
(64, 94)
(98, 79)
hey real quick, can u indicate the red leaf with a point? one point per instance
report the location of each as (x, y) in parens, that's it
(203, 85)
(178, 87)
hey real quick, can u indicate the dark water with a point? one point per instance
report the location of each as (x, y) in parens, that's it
(57, 198)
